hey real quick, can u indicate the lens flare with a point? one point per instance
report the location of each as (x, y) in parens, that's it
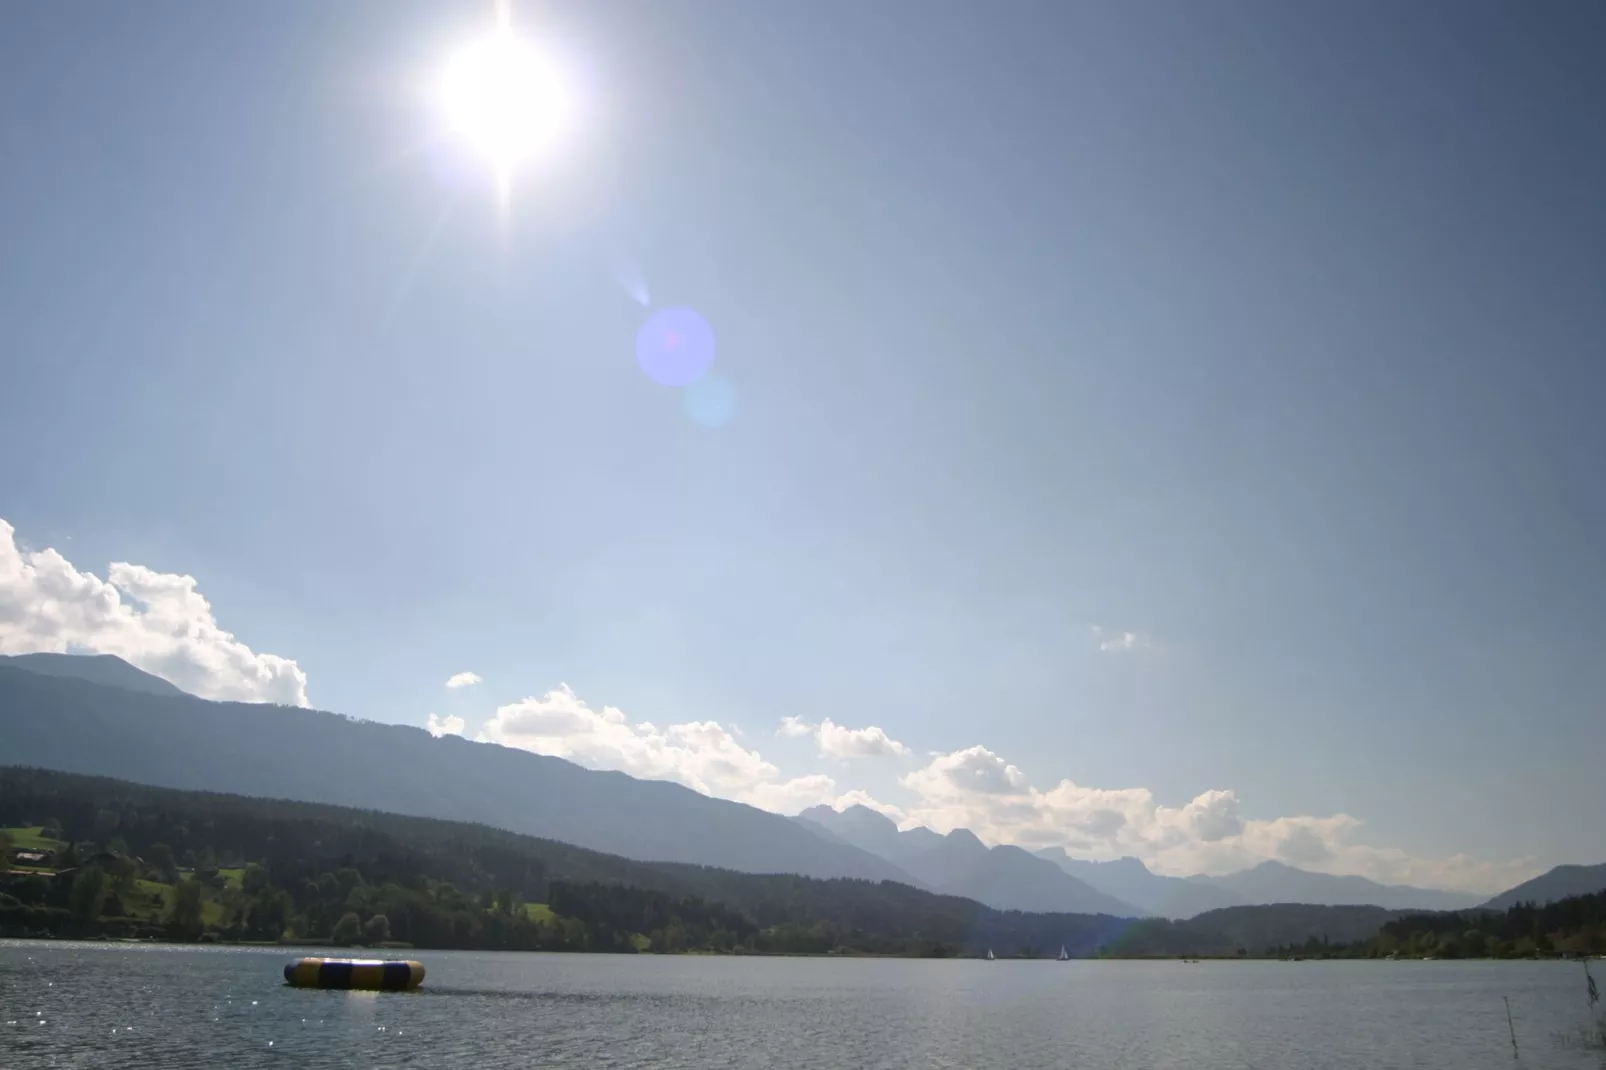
(675, 347)
(631, 281)
(710, 402)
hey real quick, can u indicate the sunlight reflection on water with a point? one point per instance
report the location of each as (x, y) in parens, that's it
(145, 1006)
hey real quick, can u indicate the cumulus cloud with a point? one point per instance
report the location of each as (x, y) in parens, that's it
(957, 776)
(794, 728)
(702, 755)
(977, 789)
(445, 726)
(1111, 642)
(1213, 816)
(840, 741)
(156, 621)
(463, 679)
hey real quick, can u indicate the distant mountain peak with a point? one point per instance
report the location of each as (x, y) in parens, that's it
(1130, 864)
(964, 838)
(1124, 864)
(1271, 865)
(108, 670)
(1558, 883)
(861, 812)
(1277, 882)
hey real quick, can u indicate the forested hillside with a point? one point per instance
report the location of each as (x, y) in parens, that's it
(1253, 930)
(92, 856)
(266, 869)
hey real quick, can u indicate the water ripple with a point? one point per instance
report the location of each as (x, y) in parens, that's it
(128, 1006)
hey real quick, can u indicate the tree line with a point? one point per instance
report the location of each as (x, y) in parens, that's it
(145, 861)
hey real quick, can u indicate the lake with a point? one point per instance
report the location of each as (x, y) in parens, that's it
(124, 1005)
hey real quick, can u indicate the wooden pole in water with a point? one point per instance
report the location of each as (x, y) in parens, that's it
(1510, 1026)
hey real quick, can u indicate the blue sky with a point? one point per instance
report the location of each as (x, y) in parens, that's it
(1268, 334)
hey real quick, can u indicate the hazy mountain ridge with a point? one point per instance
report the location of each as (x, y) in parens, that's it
(1003, 877)
(82, 713)
(793, 913)
(107, 669)
(1276, 882)
(961, 864)
(1130, 880)
(1559, 883)
(285, 752)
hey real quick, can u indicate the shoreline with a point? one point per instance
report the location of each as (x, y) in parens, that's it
(350, 951)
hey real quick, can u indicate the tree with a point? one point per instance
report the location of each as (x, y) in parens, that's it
(123, 874)
(255, 879)
(88, 893)
(269, 915)
(160, 857)
(377, 930)
(184, 922)
(347, 930)
(31, 891)
(7, 845)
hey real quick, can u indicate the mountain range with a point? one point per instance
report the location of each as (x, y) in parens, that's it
(1004, 877)
(1559, 883)
(1274, 882)
(1009, 878)
(1130, 880)
(51, 720)
(430, 876)
(99, 715)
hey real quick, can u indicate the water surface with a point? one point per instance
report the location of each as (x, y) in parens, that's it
(120, 1005)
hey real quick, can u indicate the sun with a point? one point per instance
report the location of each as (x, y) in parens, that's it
(504, 100)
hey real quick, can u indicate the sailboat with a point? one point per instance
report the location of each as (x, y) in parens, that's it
(1063, 956)
(990, 955)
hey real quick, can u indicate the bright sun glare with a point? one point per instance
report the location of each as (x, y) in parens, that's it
(504, 100)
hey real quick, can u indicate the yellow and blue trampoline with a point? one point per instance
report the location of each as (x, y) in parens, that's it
(371, 974)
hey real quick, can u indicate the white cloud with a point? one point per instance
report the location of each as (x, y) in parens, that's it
(702, 755)
(1213, 816)
(975, 770)
(977, 789)
(795, 728)
(156, 621)
(463, 679)
(445, 726)
(790, 796)
(840, 741)
(858, 797)
(1111, 642)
